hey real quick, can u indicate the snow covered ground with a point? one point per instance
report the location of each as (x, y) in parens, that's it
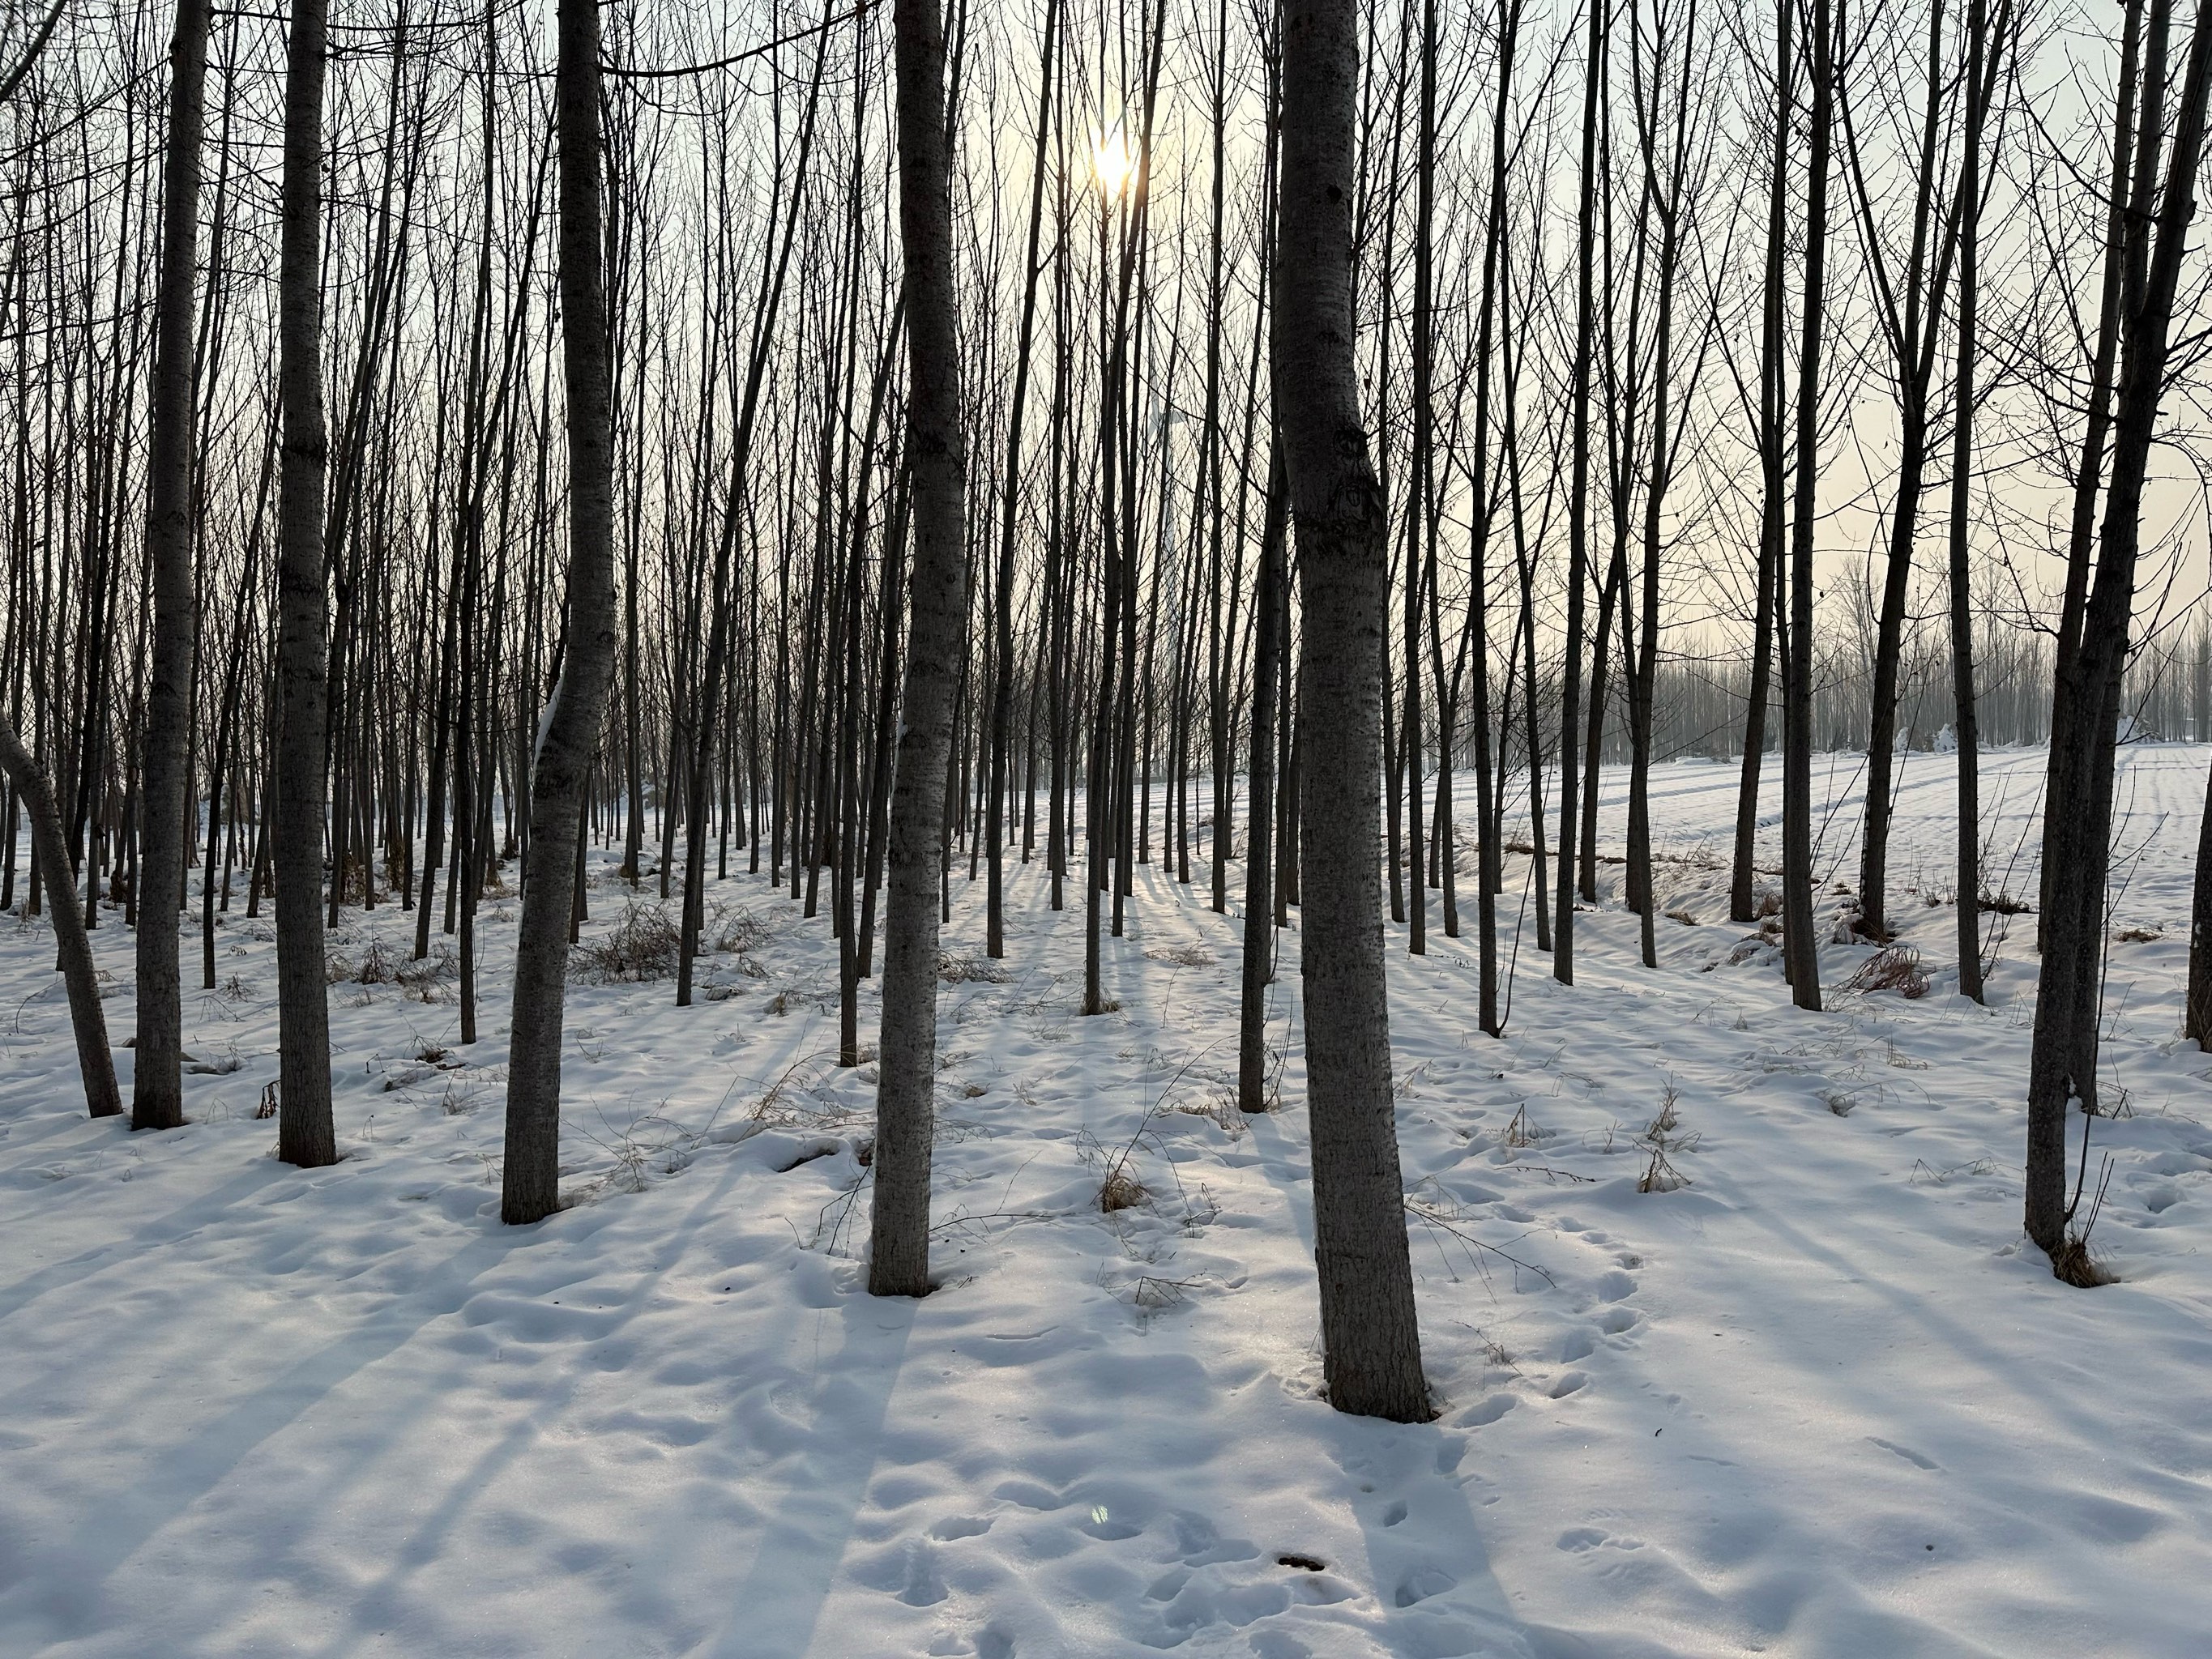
(1812, 1397)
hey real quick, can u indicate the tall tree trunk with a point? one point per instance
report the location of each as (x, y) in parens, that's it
(1570, 665)
(568, 732)
(1490, 856)
(1217, 673)
(1259, 961)
(1964, 719)
(1370, 1334)
(1912, 345)
(898, 1260)
(2088, 475)
(1800, 953)
(2196, 1008)
(1420, 505)
(305, 1133)
(1665, 193)
(1002, 692)
(157, 1096)
(1741, 904)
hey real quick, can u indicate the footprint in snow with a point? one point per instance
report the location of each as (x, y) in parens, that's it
(908, 1571)
(961, 1525)
(1485, 1411)
(1228, 1582)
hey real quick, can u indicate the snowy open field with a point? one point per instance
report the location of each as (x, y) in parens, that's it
(1819, 1400)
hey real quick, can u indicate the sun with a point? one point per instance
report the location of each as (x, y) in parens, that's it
(1114, 162)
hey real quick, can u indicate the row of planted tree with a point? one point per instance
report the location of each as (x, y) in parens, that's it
(1255, 437)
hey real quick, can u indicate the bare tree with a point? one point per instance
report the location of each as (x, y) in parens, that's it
(1769, 428)
(1002, 692)
(1973, 191)
(1801, 952)
(1268, 606)
(1370, 1333)
(1909, 329)
(306, 1134)
(157, 1095)
(1586, 330)
(898, 1259)
(2085, 727)
(568, 730)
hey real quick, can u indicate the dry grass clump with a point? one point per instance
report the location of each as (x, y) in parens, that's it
(730, 930)
(1659, 1138)
(2072, 1264)
(1153, 1294)
(2004, 903)
(377, 965)
(1119, 1191)
(1659, 1175)
(970, 970)
(419, 979)
(2138, 935)
(1189, 956)
(647, 944)
(1894, 967)
(642, 945)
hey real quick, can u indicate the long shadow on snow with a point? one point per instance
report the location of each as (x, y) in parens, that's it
(64, 1586)
(181, 1222)
(383, 1604)
(780, 1603)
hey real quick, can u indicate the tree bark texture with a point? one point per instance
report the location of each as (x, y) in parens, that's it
(898, 1263)
(305, 1132)
(568, 734)
(157, 1099)
(1370, 1339)
(1259, 942)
